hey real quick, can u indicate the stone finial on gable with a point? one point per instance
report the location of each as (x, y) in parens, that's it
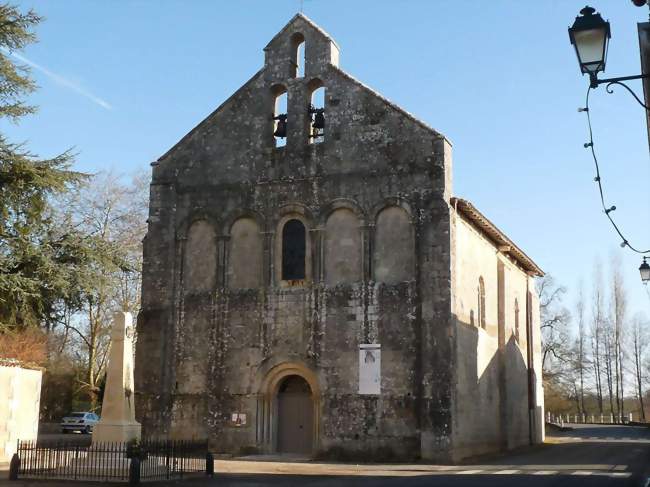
(282, 52)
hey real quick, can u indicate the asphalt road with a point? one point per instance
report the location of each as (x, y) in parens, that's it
(587, 455)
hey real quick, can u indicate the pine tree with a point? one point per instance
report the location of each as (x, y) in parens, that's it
(33, 262)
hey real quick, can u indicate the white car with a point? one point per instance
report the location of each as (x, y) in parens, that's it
(81, 421)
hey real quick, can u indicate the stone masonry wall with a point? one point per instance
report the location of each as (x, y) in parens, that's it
(208, 334)
(491, 391)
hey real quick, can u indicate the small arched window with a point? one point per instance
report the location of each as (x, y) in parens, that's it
(294, 250)
(516, 320)
(317, 112)
(297, 56)
(280, 118)
(481, 302)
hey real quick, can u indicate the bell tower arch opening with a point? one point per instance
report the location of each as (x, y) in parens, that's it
(280, 115)
(297, 56)
(316, 111)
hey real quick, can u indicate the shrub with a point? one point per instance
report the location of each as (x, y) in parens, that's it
(27, 348)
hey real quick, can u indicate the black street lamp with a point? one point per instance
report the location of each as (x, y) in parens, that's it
(644, 269)
(590, 36)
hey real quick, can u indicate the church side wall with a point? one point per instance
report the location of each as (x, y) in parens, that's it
(538, 428)
(514, 355)
(491, 390)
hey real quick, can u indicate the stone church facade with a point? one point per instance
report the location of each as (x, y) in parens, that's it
(310, 284)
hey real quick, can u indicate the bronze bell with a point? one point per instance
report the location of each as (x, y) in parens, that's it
(281, 126)
(319, 120)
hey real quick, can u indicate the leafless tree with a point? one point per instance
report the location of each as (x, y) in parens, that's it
(597, 316)
(555, 319)
(608, 359)
(639, 338)
(114, 211)
(618, 308)
(580, 359)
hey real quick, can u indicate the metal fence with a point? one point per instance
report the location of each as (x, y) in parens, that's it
(607, 418)
(118, 462)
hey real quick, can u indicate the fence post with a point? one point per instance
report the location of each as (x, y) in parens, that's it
(14, 466)
(167, 448)
(209, 464)
(134, 471)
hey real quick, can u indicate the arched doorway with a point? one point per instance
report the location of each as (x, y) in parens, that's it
(295, 416)
(298, 383)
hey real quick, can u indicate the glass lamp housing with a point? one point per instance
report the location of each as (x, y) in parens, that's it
(644, 270)
(590, 36)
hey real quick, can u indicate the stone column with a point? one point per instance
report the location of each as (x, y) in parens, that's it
(118, 422)
(318, 259)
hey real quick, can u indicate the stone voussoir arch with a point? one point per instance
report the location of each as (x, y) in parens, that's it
(195, 215)
(341, 203)
(234, 215)
(393, 201)
(269, 379)
(288, 210)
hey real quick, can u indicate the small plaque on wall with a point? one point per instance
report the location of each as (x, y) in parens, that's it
(238, 419)
(370, 369)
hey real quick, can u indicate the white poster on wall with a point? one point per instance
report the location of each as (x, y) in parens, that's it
(370, 368)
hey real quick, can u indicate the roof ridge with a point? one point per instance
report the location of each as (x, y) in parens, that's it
(310, 22)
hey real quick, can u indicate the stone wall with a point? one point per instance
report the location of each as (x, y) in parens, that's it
(20, 390)
(218, 317)
(491, 395)
(221, 323)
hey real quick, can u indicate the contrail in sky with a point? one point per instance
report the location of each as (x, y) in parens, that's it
(59, 79)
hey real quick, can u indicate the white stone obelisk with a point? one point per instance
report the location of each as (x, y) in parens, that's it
(118, 422)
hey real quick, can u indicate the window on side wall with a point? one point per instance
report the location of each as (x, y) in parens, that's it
(517, 320)
(481, 302)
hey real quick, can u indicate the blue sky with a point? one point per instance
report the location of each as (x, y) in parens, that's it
(121, 82)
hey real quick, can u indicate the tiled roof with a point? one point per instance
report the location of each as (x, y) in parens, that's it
(489, 229)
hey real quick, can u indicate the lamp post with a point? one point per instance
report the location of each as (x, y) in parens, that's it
(644, 270)
(590, 36)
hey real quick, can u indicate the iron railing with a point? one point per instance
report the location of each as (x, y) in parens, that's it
(118, 462)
